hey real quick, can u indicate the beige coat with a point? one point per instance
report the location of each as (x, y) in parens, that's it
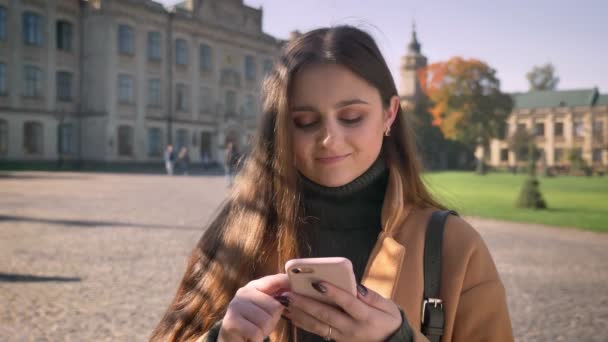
(473, 295)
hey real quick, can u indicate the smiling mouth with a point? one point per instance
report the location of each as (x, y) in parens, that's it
(332, 159)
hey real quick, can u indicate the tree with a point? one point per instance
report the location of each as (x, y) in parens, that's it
(468, 104)
(522, 143)
(429, 139)
(543, 77)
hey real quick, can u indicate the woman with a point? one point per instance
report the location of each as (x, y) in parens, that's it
(333, 172)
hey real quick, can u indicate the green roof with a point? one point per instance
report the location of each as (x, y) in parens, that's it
(602, 100)
(556, 98)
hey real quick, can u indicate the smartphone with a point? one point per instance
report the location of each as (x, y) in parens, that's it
(337, 271)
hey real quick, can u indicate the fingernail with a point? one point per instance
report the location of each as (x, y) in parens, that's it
(362, 290)
(283, 300)
(319, 287)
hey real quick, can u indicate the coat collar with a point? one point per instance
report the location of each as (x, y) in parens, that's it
(386, 260)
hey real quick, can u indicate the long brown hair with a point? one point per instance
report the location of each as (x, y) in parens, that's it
(257, 226)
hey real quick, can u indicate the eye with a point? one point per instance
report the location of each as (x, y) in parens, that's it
(351, 117)
(351, 121)
(304, 122)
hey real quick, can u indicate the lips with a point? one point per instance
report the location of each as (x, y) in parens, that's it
(331, 159)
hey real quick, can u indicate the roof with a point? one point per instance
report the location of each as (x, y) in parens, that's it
(557, 98)
(602, 100)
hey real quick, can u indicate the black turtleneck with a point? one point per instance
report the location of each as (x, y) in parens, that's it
(344, 221)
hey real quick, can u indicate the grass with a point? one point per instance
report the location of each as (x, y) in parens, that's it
(580, 202)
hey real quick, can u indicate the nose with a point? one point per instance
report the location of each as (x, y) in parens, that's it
(327, 136)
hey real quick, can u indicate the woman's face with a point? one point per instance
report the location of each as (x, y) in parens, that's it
(338, 124)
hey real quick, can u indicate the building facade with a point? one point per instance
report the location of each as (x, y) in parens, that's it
(562, 122)
(117, 80)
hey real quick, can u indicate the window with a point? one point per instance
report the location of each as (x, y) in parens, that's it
(181, 138)
(154, 92)
(504, 154)
(154, 46)
(558, 129)
(3, 77)
(155, 142)
(539, 129)
(181, 52)
(206, 98)
(64, 86)
(32, 137)
(125, 89)
(521, 127)
(578, 129)
(3, 137)
(2, 23)
(598, 129)
(65, 143)
(206, 58)
(126, 40)
(32, 81)
(230, 103)
(596, 155)
(250, 68)
(64, 35)
(267, 66)
(182, 100)
(576, 153)
(32, 29)
(125, 141)
(250, 105)
(558, 155)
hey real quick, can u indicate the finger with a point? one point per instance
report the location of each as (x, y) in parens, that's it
(324, 313)
(375, 300)
(243, 328)
(349, 303)
(313, 325)
(271, 283)
(264, 301)
(253, 314)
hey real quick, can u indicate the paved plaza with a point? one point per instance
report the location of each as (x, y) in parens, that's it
(97, 257)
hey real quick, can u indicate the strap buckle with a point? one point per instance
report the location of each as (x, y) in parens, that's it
(433, 301)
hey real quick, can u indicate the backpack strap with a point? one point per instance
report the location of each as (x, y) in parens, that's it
(432, 306)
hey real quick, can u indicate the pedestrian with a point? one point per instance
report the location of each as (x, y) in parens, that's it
(169, 157)
(334, 172)
(183, 160)
(232, 158)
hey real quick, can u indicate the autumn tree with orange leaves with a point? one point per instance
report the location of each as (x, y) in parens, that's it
(467, 103)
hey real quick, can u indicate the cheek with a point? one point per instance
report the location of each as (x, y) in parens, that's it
(365, 140)
(302, 146)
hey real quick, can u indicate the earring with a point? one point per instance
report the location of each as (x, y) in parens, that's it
(387, 132)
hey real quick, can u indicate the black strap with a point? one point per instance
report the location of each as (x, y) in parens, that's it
(432, 306)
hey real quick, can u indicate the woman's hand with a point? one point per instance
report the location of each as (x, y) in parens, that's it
(253, 312)
(365, 317)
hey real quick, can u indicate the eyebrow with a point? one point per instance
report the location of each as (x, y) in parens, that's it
(344, 103)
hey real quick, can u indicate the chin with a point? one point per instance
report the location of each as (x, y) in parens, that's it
(334, 182)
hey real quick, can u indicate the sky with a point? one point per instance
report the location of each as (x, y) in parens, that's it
(512, 36)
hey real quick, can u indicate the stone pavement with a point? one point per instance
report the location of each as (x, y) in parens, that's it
(88, 256)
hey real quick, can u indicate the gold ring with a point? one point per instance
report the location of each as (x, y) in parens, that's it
(328, 337)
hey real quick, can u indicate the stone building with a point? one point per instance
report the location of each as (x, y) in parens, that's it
(563, 122)
(410, 88)
(116, 80)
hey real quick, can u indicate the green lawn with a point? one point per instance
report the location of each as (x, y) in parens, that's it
(580, 202)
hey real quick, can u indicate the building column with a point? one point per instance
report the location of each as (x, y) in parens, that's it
(588, 139)
(568, 132)
(550, 139)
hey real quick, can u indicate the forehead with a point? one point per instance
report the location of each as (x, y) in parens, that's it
(327, 84)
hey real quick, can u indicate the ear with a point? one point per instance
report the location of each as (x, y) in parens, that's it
(390, 114)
